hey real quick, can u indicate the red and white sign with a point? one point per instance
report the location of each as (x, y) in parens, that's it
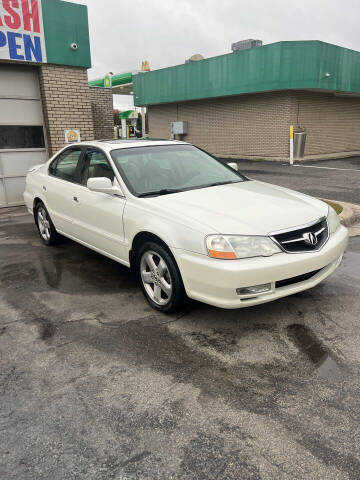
(22, 31)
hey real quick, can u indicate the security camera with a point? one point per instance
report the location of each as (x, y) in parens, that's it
(74, 46)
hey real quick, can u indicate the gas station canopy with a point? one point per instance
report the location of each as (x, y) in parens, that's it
(128, 114)
(121, 84)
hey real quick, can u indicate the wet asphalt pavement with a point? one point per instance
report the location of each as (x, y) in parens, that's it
(95, 385)
(331, 179)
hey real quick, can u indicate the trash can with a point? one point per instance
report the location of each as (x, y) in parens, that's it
(299, 144)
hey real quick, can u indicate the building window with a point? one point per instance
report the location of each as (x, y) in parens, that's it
(21, 136)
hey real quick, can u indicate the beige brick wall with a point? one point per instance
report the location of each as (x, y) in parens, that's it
(66, 103)
(102, 112)
(332, 123)
(257, 125)
(248, 125)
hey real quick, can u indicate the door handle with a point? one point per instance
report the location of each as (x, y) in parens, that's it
(76, 199)
(44, 188)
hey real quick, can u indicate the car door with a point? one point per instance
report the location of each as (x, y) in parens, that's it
(60, 189)
(99, 221)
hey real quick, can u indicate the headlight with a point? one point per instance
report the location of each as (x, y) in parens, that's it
(333, 220)
(230, 247)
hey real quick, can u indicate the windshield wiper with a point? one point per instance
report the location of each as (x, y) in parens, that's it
(163, 191)
(215, 184)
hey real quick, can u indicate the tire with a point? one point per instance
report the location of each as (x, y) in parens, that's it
(159, 278)
(45, 226)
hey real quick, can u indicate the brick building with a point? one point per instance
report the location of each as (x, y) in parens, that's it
(102, 112)
(45, 99)
(241, 105)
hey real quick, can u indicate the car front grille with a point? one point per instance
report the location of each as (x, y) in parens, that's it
(303, 239)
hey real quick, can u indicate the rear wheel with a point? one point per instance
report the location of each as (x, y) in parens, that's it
(47, 231)
(159, 278)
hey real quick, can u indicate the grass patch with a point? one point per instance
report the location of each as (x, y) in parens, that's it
(338, 208)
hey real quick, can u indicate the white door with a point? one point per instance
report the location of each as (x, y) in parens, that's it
(98, 218)
(60, 189)
(22, 142)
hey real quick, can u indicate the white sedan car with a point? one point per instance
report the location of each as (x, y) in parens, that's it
(187, 224)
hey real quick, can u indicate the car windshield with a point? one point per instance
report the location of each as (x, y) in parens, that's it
(165, 169)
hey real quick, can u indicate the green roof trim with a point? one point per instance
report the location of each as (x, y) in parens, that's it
(66, 23)
(277, 66)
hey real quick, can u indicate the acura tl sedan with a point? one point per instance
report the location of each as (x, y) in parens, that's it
(187, 224)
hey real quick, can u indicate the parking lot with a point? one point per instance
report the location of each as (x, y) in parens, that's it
(96, 385)
(332, 179)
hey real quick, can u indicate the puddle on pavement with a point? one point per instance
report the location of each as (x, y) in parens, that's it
(74, 274)
(326, 367)
(84, 271)
(46, 329)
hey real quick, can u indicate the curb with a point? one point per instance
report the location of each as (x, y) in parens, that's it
(350, 213)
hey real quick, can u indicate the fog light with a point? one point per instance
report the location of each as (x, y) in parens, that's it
(254, 290)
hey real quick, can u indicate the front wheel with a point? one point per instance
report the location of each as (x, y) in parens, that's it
(160, 278)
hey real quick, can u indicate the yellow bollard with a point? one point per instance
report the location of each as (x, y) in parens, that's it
(291, 137)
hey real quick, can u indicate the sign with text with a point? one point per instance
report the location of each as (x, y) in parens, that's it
(22, 31)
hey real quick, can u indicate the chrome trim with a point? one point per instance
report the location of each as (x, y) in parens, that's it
(293, 241)
(302, 239)
(304, 251)
(298, 227)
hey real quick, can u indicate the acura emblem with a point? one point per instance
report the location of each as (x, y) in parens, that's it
(310, 238)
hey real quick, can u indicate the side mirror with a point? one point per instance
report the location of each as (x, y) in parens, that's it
(234, 165)
(103, 185)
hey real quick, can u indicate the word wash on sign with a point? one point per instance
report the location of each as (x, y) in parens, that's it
(21, 30)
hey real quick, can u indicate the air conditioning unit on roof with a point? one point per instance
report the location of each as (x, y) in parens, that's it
(246, 44)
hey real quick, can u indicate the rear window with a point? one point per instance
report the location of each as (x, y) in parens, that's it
(65, 165)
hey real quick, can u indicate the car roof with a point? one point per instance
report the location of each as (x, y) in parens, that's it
(112, 144)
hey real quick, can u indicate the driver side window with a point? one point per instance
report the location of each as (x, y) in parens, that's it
(95, 165)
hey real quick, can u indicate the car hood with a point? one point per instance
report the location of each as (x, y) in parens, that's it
(247, 208)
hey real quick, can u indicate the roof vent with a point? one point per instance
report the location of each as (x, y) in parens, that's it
(246, 44)
(195, 58)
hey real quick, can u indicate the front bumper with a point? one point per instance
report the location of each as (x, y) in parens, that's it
(215, 281)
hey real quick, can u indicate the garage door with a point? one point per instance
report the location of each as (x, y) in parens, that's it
(22, 142)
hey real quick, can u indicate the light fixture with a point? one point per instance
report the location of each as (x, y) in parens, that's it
(254, 290)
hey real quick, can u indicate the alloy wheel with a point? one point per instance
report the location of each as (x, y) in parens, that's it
(43, 223)
(156, 278)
